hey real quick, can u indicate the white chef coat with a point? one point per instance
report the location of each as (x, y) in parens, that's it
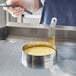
(42, 1)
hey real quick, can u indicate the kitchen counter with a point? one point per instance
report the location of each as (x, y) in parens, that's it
(10, 60)
(15, 35)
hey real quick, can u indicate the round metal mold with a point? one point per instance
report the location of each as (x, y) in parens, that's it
(35, 61)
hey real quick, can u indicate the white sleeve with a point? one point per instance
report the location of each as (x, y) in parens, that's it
(42, 1)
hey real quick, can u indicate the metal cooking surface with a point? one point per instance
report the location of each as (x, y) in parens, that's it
(10, 60)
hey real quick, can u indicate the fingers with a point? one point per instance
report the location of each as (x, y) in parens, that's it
(14, 11)
(18, 11)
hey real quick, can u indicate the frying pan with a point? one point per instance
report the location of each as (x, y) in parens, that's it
(39, 59)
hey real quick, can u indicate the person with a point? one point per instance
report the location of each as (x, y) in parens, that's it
(63, 10)
(30, 5)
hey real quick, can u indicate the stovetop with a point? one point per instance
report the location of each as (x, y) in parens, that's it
(10, 60)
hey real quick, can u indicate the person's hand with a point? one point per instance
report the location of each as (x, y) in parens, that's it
(14, 11)
(30, 5)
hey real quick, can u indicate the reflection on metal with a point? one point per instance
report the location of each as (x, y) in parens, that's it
(10, 60)
(22, 30)
(3, 33)
(38, 61)
(10, 52)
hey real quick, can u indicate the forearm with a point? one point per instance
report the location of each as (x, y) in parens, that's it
(36, 5)
(26, 4)
(32, 5)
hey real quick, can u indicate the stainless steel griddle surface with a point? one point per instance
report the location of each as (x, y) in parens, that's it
(10, 60)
